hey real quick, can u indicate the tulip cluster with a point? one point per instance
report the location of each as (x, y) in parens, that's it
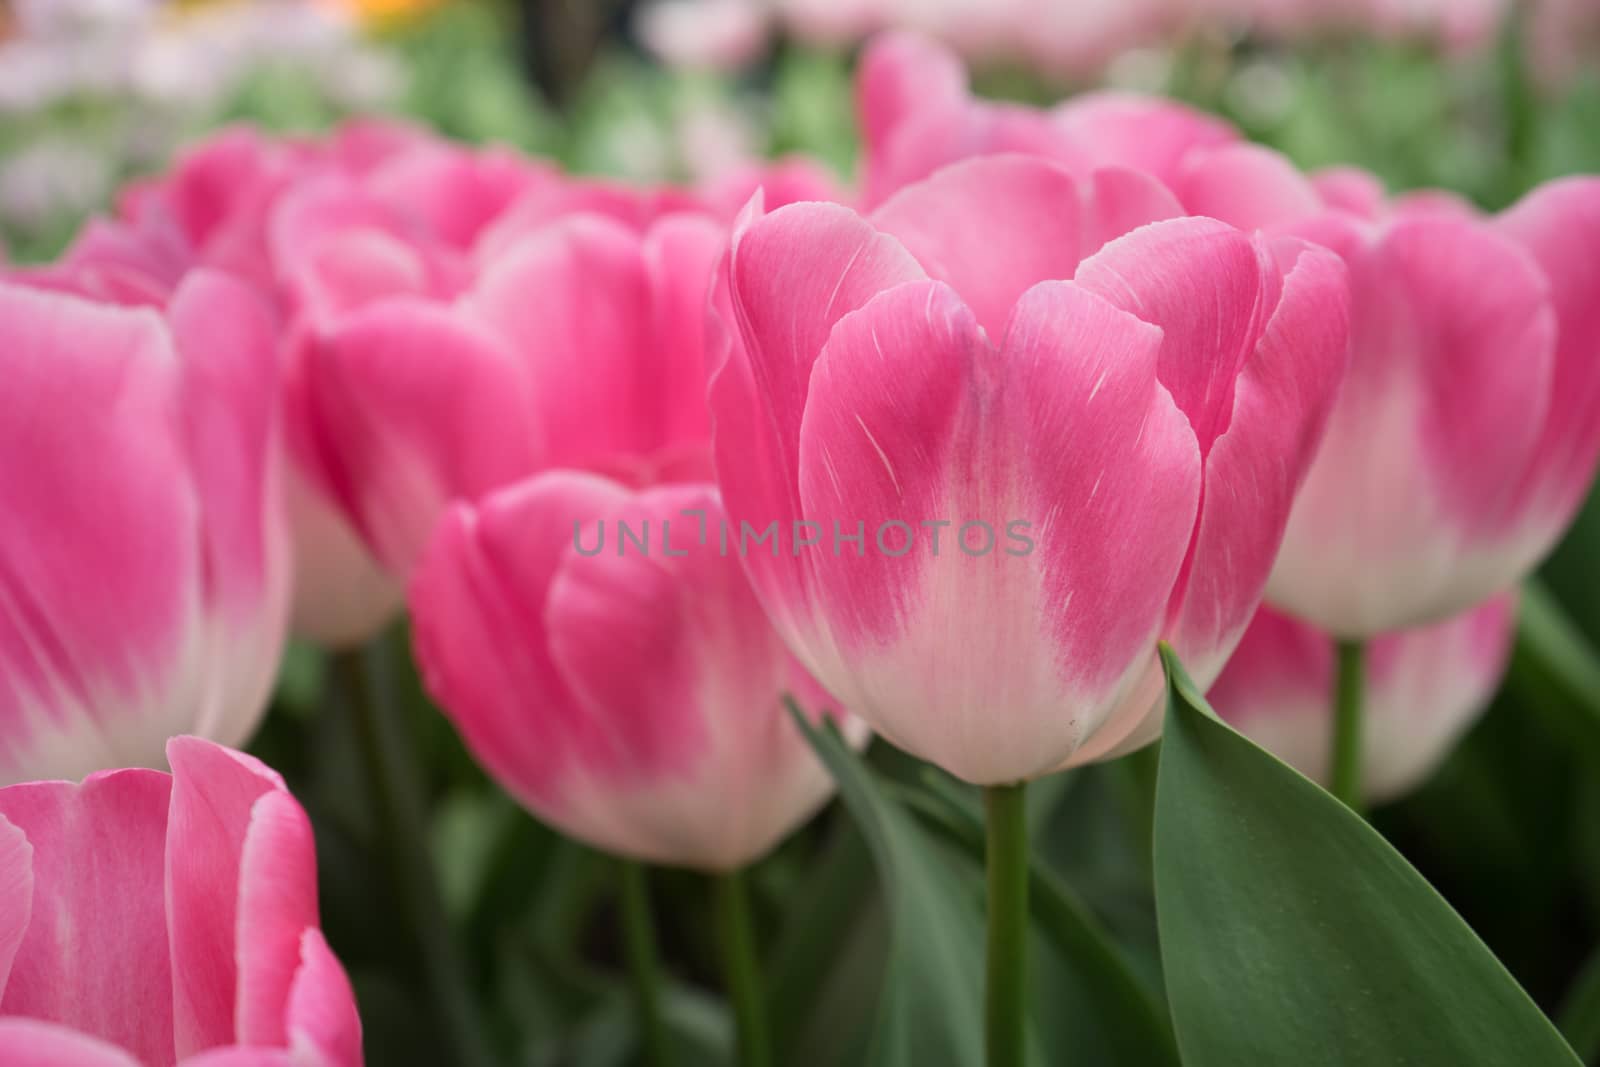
(945, 458)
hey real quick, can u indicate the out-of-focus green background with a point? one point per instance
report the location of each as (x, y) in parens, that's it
(1509, 829)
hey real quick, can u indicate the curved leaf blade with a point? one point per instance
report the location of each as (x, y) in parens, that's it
(1292, 932)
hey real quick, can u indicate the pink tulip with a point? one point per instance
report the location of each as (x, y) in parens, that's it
(321, 228)
(150, 919)
(1468, 430)
(710, 34)
(414, 403)
(629, 695)
(1424, 688)
(917, 116)
(1141, 412)
(144, 573)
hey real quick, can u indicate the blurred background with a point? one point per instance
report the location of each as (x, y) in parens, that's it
(1483, 97)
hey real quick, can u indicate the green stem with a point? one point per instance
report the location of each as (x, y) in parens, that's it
(742, 971)
(399, 799)
(1006, 996)
(1344, 776)
(640, 933)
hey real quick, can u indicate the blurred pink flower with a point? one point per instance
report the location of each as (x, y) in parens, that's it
(151, 919)
(1424, 688)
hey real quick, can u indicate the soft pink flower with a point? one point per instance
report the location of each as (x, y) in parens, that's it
(144, 575)
(713, 34)
(582, 345)
(1468, 429)
(149, 919)
(1424, 688)
(917, 116)
(970, 352)
(631, 696)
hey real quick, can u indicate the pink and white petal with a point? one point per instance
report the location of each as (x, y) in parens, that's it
(99, 572)
(214, 791)
(1403, 514)
(453, 194)
(967, 434)
(1248, 186)
(1281, 402)
(681, 254)
(585, 342)
(342, 596)
(791, 276)
(486, 575)
(994, 226)
(673, 656)
(1149, 134)
(239, 1056)
(415, 406)
(232, 421)
(353, 268)
(1206, 286)
(94, 957)
(277, 904)
(16, 894)
(1559, 223)
(323, 1025)
(32, 1043)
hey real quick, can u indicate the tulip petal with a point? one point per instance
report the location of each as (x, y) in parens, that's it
(900, 73)
(1248, 186)
(230, 408)
(214, 790)
(672, 651)
(586, 340)
(1414, 489)
(792, 275)
(1560, 224)
(1204, 283)
(487, 575)
(16, 894)
(994, 226)
(1281, 402)
(94, 957)
(277, 904)
(1150, 134)
(99, 587)
(32, 1043)
(322, 1022)
(413, 407)
(914, 418)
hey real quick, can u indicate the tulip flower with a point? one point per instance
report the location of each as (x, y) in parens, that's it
(1468, 430)
(629, 693)
(1108, 438)
(1425, 687)
(150, 919)
(415, 402)
(144, 572)
(917, 116)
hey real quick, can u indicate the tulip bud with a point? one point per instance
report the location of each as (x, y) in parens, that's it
(603, 655)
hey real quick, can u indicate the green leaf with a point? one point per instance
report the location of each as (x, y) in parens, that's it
(1553, 657)
(1293, 933)
(1580, 1012)
(931, 1009)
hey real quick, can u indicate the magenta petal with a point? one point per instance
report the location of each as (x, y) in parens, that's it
(16, 894)
(1247, 186)
(32, 1043)
(994, 226)
(321, 1014)
(1281, 403)
(277, 904)
(414, 406)
(94, 957)
(213, 793)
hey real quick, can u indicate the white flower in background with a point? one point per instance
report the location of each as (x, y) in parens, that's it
(51, 179)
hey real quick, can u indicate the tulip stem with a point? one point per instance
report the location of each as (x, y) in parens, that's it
(639, 930)
(1006, 991)
(1344, 776)
(400, 805)
(742, 970)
